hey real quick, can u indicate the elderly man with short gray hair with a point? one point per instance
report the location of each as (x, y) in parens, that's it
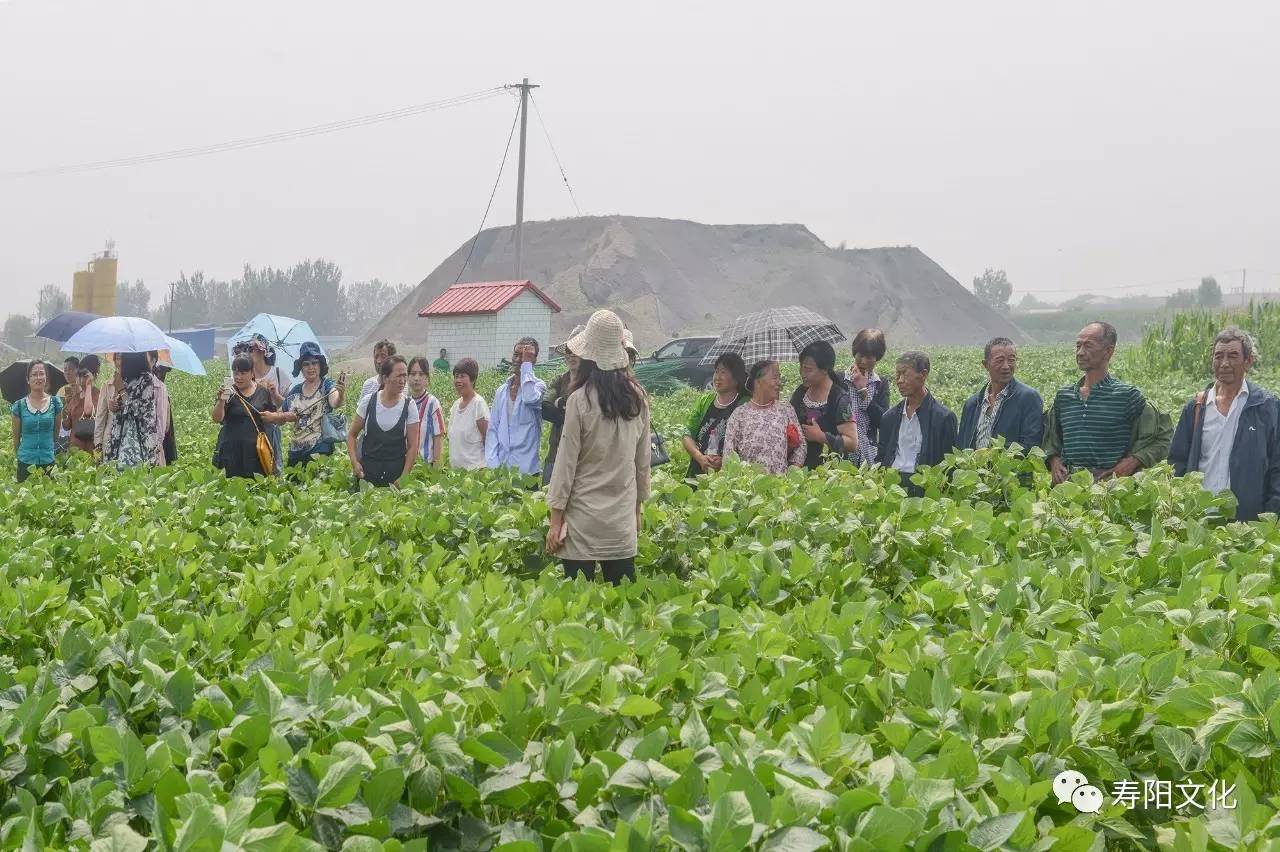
(1004, 407)
(1230, 431)
(919, 430)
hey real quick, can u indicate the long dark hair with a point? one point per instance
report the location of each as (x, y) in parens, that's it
(824, 358)
(617, 393)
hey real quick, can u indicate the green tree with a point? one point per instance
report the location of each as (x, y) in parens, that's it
(133, 299)
(1210, 294)
(993, 289)
(190, 298)
(315, 286)
(1183, 300)
(53, 300)
(17, 328)
(1030, 303)
(367, 302)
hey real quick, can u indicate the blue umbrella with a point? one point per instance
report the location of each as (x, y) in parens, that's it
(117, 334)
(183, 357)
(60, 328)
(283, 334)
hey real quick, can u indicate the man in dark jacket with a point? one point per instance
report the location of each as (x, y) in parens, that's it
(919, 430)
(1005, 408)
(1230, 431)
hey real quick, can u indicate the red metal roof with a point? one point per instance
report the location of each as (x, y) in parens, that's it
(482, 297)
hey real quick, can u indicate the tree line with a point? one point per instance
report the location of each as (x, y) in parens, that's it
(311, 290)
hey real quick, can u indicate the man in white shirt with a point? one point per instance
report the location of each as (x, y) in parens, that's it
(919, 430)
(382, 350)
(1218, 435)
(1230, 431)
(909, 438)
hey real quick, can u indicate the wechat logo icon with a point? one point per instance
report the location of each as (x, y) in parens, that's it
(1072, 788)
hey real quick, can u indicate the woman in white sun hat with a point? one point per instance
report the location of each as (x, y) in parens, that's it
(601, 476)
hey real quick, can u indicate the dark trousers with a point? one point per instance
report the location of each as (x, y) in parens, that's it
(614, 569)
(302, 458)
(24, 470)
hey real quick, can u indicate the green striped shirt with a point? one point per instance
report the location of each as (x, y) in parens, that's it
(1096, 431)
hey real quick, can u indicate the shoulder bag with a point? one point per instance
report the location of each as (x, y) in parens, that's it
(658, 455)
(82, 428)
(266, 458)
(333, 424)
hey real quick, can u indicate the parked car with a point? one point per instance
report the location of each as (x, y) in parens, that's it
(680, 360)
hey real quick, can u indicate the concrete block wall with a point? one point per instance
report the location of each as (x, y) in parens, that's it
(467, 336)
(524, 316)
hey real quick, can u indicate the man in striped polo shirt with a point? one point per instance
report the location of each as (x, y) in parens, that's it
(1095, 416)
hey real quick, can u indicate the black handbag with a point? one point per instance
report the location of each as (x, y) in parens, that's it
(658, 455)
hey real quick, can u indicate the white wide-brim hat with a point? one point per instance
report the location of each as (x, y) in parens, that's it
(629, 343)
(563, 348)
(601, 342)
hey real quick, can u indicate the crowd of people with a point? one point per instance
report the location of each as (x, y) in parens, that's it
(597, 468)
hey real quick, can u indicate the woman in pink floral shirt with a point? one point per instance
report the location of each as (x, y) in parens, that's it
(765, 431)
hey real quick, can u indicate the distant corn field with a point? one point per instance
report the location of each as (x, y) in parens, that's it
(1185, 343)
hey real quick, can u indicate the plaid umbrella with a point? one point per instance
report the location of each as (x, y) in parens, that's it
(776, 334)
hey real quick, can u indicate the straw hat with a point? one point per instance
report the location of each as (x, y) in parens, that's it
(601, 342)
(629, 344)
(563, 348)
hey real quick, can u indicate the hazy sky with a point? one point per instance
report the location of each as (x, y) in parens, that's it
(1085, 146)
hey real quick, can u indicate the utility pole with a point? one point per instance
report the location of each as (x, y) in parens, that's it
(524, 88)
(173, 286)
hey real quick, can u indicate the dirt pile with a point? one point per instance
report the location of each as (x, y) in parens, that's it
(667, 278)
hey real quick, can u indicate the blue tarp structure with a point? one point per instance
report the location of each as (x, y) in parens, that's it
(199, 339)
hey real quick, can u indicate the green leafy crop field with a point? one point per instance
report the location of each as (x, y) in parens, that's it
(811, 661)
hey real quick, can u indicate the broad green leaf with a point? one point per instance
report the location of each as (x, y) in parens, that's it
(1175, 747)
(106, 744)
(383, 790)
(119, 838)
(693, 734)
(639, 705)
(731, 823)
(180, 690)
(992, 833)
(202, 827)
(340, 784)
(795, 839)
(887, 828)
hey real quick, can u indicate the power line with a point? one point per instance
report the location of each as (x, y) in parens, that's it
(257, 141)
(502, 165)
(551, 145)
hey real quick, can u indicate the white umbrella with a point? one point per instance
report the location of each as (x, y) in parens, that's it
(182, 357)
(283, 334)
(117, 334)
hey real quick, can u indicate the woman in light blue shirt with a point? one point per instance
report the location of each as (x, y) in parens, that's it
(35, 422)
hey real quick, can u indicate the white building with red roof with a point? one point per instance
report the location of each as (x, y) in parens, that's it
(484, 319)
